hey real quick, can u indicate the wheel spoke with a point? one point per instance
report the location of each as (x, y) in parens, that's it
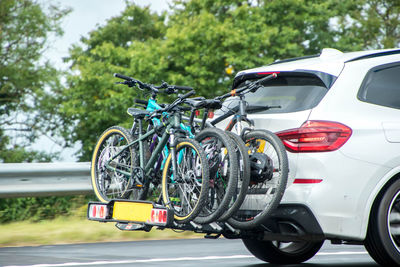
(269, 170)
(115, 183)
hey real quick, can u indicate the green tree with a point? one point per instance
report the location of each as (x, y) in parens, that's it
(25, 79)
(92, 102)
(200, 43)
(375, 24)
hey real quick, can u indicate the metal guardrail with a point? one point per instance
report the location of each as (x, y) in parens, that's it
(44, 179)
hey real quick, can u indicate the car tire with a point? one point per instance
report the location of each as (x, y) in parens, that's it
(382, 241)
(282, 252)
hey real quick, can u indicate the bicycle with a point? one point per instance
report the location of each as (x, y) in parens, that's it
(223, 165)
(119, 165)
(222, 156)
(267, 155)
(232, 203)
(219, 151)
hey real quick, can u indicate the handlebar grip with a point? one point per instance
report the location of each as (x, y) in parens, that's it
(140, 101)
(188, 94)
(223, 96)
(122, 77)
(268, 77)
(184, 88)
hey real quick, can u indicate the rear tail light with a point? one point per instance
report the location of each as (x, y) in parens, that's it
(158, 216)
(306, 181)
(315, 136)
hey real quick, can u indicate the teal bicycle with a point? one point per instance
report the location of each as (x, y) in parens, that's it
(121, 167)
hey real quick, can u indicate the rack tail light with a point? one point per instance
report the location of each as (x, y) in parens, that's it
(315, 136)
(158, 216)
(98, 212)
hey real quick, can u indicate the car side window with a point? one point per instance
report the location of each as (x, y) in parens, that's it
(381, 86)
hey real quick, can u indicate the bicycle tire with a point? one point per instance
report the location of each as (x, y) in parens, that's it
(196, 181)
(263, 196)
(222, 158)
(243, 177)
(108, 184)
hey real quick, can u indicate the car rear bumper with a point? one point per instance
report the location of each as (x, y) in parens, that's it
(340, 194)
(292, 222)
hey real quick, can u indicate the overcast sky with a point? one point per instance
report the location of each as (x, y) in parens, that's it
(85, 17)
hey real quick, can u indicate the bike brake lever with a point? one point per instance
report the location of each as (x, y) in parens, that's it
(163, 85)
(169, 90)
(129, 83)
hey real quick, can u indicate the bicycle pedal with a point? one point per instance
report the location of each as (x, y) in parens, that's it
(212, 236)
(215, 226)
(195, 225)
(133, 227)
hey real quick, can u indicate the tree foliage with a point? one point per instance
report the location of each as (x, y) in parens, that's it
(25, 109)
(375, 23)
(201, 43)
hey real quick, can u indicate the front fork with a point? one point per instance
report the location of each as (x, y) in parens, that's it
(172, 143)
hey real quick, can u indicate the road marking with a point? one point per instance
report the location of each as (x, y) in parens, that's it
(135, 261)
(174, 259)
(342, 253)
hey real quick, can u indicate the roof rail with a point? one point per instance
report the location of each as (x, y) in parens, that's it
(377, 54)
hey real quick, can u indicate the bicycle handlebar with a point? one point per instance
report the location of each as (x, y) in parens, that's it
(183, 88)
(168, 89)
(187, 94)
(140, 101)
(175, 103)
(121, 76)
(252, 86)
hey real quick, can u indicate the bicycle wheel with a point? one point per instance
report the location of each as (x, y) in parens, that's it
(186, 194)
(115, 182)
(243, 177)
(268, 179)
(222, 160)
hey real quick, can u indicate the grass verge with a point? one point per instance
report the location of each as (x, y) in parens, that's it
(76, 230)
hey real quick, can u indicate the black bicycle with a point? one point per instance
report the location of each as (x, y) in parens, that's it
(260, 195)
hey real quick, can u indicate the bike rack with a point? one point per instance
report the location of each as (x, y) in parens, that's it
(144, 215)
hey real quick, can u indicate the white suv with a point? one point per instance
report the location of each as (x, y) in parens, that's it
(340, 122)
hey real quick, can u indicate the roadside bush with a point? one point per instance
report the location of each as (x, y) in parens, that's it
(41, 208)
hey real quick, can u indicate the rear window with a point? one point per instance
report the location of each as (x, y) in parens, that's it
(291, 92)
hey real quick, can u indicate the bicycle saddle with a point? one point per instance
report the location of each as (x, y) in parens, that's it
(138, 113)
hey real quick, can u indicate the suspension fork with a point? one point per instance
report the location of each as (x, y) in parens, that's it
(172, 141)
(243, 117)
(141, 150)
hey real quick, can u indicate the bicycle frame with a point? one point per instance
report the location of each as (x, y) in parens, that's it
(173, 122)
(239, 116)
(152, 106)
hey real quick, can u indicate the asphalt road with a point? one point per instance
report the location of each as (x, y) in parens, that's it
(192, 252)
